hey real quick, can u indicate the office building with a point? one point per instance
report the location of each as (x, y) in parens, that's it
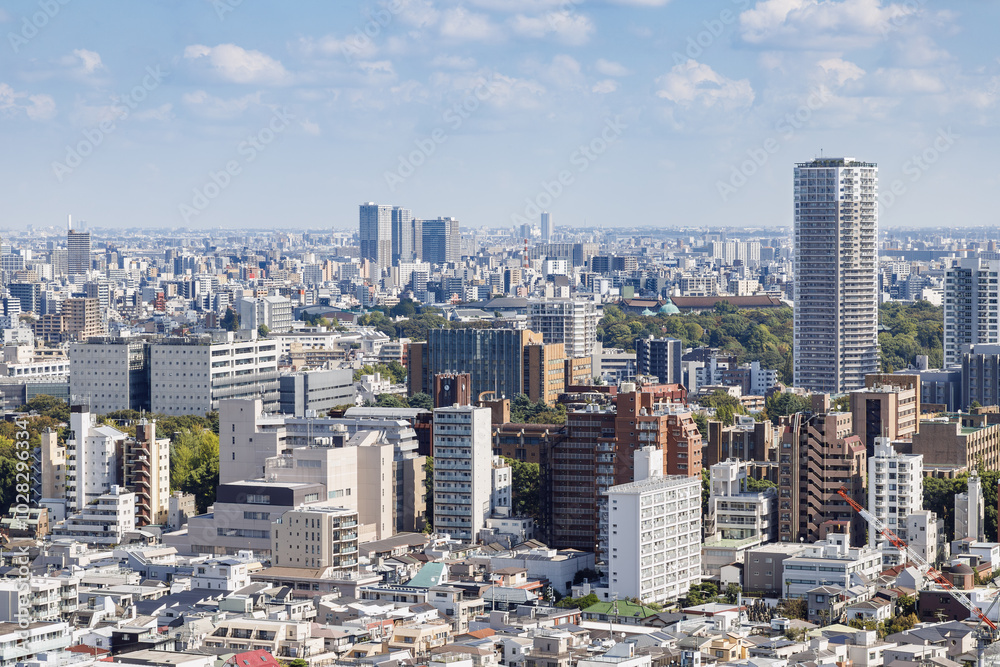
(820, 454)
(316, 392)
(659, 357)
(980, 374)
(507, 362)
(77, 252)
(568, 321)
(402, 235)
(463, 463)
(110, 374)
(546, 228)
(836, 274)
(376, 235)
(190, 375)
(28, 294)
(273, 312)
(381, 451)
(971, 294)
(952, 443)
(441, 241)
(895, 491)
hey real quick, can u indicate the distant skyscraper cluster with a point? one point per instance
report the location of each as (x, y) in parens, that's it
(391, 236)
(836, 274)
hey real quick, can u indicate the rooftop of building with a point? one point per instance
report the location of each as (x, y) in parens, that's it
(654, 484)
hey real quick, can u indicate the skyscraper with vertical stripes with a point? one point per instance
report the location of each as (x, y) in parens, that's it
(836, 274)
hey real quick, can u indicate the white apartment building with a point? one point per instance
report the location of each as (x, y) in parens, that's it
(969, 510)
(104, 522)
(501, 498)
(38, 641)
(44, 599)
(91, 459)
(654, 538)
(463, 463)
(223, 574)
(568, 321)
(316, 536)
(830, 562)
(189, 376)
(971, 294)
(734, 512)
(895, 491)
(836, 274)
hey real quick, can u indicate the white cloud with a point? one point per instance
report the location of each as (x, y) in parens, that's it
(895, 81)
(350, 47)
(605, 87)
(611, 68)
(35, 107)
(642, 3)
(375, 67)
(309, 127)
(820, 24)
(162, 113)
(453, 62)
(91, 60)
(567, 27)
(210, 106)
(841, 70)
(418, 13)
(238, 65)
(461, 24)
(694, 83)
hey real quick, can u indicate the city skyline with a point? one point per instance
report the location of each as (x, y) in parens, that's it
(612, 113)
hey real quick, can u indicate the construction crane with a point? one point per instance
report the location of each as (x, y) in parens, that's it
(926, 569)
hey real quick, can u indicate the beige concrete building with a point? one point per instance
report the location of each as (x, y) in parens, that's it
(83, 318)
(888, 407)
(316, 536)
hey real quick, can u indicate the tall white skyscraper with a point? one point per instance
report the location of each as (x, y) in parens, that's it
(971, 293)
(546, 228)
(836, 274)
(376, 234)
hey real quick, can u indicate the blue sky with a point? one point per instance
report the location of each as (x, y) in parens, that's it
(244, 113)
